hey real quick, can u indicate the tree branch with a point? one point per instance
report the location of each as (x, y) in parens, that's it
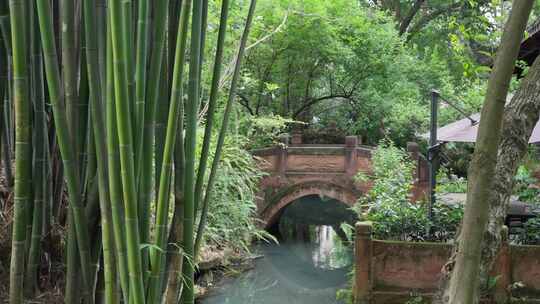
(312, 102)
(245, 103)
(430, 17)
(412, 12)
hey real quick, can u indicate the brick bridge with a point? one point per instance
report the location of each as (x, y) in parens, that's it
(297, 170)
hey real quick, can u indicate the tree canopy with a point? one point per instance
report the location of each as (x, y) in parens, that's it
(350, 66)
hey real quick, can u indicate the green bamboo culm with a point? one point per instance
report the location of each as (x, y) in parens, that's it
(40, 158)
(79, 119)
(115, 182)
(7, 139)
(175, 253)
(127, 18)
(166, 168)
(23, 152)
(5, 49)
(224, 124)
(146, 144)
(214, 92)
(69, 70)
(125, 137)
(141, 68)
(98, 128)
(73, 280)
(190, 147)
(66, 146)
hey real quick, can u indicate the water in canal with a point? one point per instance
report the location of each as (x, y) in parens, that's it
(311, 263)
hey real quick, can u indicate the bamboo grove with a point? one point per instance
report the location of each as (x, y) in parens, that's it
(100, 105)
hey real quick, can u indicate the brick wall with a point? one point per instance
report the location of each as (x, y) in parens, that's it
(391, 272)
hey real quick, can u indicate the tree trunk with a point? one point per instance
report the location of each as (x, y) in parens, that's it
(518, 123)
(462, 287)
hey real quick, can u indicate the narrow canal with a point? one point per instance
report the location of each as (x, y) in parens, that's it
(309, 265)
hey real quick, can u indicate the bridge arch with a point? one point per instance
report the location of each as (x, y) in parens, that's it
(321, 188)
(295, 170)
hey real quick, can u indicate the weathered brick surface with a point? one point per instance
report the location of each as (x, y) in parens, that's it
(390, 272)
(406, 266)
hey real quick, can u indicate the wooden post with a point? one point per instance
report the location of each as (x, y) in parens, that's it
(362, 260)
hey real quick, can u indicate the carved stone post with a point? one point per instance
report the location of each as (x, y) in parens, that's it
(296, 139)
(281, 164)
(414, 150)
(362, 261)
(351, 142)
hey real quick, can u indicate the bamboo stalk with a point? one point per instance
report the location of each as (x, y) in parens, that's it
(23, 152)
(175, 9)
(171, 280)
(90, 185)
(146, 145)
(84, 154)
(69, 51)
(162, 110)
(101, 24)
(98, 127)
(4, 101)
(73, 280)
(96, 253)
(125, 136)
(6, 105)
(170, 140)
(39, 181)
(214, 92)
(91, 202)
(66, 147)
(115, 182)
(224, 125)
(127, 18)
(141, 67)
(204, 22)
(4, 132)
(175, 255)
(190, 146)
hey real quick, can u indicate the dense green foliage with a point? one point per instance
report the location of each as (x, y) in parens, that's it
(395, 217)
(447, 182)
(330, 63)
(232, 205)
(526, 186)
(388, 203)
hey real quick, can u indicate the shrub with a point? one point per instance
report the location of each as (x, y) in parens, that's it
(447, 182)
(523, 185)
(389, 206)
(263, 131)
(530, 234)
(232, 210)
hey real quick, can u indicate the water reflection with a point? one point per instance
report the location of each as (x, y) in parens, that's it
(328, 253)
(309, 265)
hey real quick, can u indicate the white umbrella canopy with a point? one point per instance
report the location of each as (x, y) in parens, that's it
(464, 130)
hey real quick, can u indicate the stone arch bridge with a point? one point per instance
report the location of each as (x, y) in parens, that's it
(296, 170)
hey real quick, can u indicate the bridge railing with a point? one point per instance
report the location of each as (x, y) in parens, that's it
(291, 155)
